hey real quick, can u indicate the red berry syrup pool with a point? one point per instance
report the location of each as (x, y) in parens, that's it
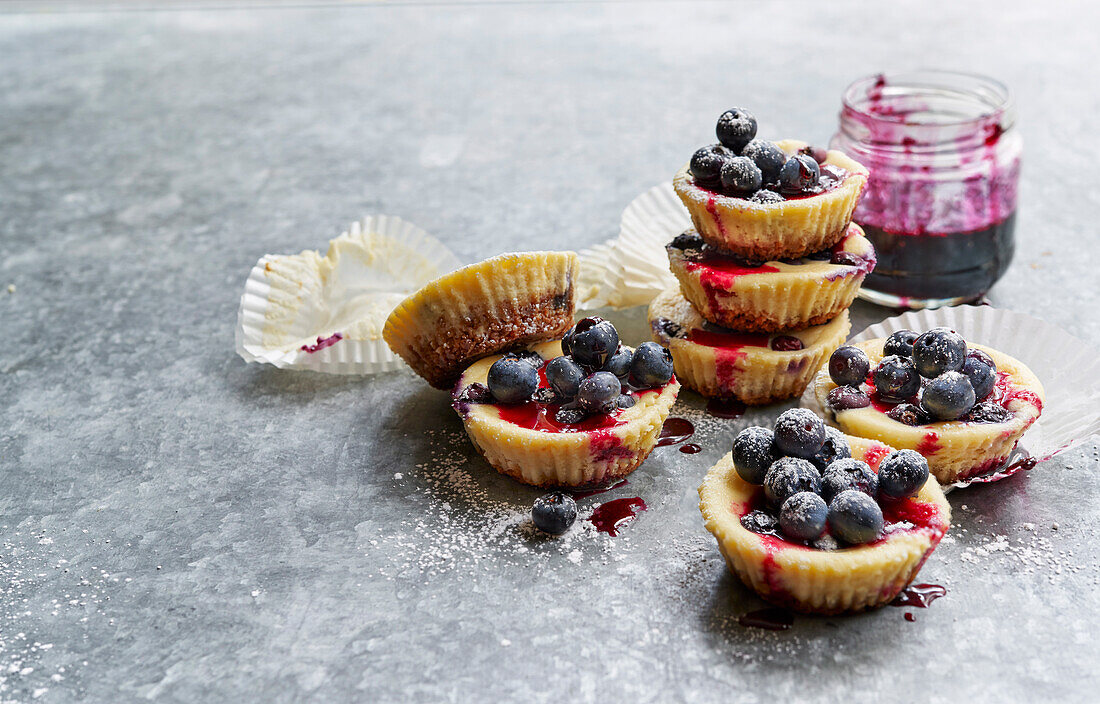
(940, 204)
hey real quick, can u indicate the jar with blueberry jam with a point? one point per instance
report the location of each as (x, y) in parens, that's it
(940, 205)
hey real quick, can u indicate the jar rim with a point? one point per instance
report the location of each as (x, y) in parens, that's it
(997, 98)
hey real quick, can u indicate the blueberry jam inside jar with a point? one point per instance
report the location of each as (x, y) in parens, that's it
(940, 204)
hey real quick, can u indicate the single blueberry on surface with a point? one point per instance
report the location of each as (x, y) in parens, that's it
(512, 380)
(896, 379)
(619, 363)
(982, 376)
(849, 366)
(909, 414)
(592, 342)
(855, 518)
(982, 356)
(740, 176)
(845, 398)
(706, 163)
(735, 128)
(803, 516)
(987, 412)
(753, 453)
(799, 432)
(948, 396)
(800, 174)
(845, 474)
(937, 351)
(788, 476)
(687, 240)
(900, 343)
(651, 365)
(768, 157)
(599, 392)
(834, 448)
(564, 376)
(902, 473)
(760, 522)
(554, 513)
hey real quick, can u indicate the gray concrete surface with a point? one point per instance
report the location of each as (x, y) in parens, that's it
(178, 526)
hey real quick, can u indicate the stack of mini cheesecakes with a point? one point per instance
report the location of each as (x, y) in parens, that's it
(768, 271)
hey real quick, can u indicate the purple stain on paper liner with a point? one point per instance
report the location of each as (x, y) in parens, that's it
(323, 342)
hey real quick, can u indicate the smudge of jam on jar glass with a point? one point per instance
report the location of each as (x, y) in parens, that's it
(940, 204)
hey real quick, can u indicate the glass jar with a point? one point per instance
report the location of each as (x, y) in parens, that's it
(940, 205)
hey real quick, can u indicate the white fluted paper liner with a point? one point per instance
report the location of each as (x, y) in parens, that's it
(632, 269)
(1064, 364)
(294, 303)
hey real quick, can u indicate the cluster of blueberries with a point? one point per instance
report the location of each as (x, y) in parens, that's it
(589, 378)
(931, 376)
(812, 482)
(741, 165)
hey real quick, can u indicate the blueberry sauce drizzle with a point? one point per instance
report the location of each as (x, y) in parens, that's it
(920, 596)
(691, 448)
(585, 493)
(675, 431)
(725, 408)
(615, 514)
(772, 618)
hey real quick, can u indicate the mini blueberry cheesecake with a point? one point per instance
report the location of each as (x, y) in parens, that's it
(788, 294)
(579, 411)
(482, 309)
(962, 406)
(754, 368)
(764, 200)
(820, 522)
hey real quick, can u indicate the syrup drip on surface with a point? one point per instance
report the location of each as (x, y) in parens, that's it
(910, 617)
(772, 618)
(612, 516)
(675, 431)
(690, 448)
(919, 595)
(599, 490)
(1023, 463)
(725, 408)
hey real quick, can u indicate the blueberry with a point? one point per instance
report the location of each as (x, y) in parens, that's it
(530, 356)
(845, 474)
(834, 448)
(570, 415)
(512, 380)
(554, 513)
(766, 196)
(599, 392)
(788, 476)
(909, 414)
(937, 351)
(847, 259)
(896, 378)
(619, 363)
(736, 127)
(948, 396)
(982, 356)
(800, 174)
(987, 412)
(706, 163)
(564, 376)
(625, 401)
(753, 453)
(803, 516)
(819, 154)
(651, 365)
(900, 343)
(475, 393)
(768, 157)
(902, 474)
(759, 522)
(799, 433)
(855, 517)
(786, 343)
(844, 398)
(592, 341)
(981, 376)
(545, 396)
(740, 177)
(687, 240)
(664, 327)
(848, 366)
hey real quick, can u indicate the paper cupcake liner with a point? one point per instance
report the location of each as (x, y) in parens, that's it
(1063, 364)
(325, 313)
(631, 269)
